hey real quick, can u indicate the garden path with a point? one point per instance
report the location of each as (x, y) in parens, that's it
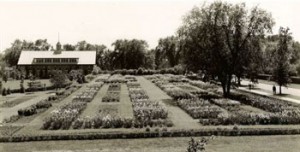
(37, 123)
(92, 108)
(180, 118)
(125, 106)
(292, 94)
(8, 112)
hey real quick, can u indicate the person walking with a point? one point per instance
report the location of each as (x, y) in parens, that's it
(274, 89)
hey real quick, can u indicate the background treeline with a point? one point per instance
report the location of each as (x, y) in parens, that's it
(219, 40)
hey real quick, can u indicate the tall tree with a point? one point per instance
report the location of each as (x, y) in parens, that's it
(169, 48)
(217, 36)
(41, 45)
(12, 54)
(281, 59)
(129, 54)
(69, 47)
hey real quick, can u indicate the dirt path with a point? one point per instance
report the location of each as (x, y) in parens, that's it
(179, 117)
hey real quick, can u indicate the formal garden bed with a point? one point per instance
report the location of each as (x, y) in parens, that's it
(207, 104)
(241, 114)
(41, 106)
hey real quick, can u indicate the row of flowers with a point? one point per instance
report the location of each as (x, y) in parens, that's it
(200, 108)
(113, 93)
(278, 111)
(108, 121)
(145, 110)
(46, 103)
(89, 93)
(63, 117)
(116, 78)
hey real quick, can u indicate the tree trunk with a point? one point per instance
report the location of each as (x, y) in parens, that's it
(239, 80)
(280, 89)
(226, 84)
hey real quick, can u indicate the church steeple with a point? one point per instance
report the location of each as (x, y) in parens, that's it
(58, 47)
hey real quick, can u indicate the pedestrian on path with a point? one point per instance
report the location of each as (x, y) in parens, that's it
(274, 89)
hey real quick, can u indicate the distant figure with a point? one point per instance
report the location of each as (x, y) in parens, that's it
(249, 85)
(274, 89)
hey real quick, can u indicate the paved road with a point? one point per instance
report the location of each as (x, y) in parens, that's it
(266, 89)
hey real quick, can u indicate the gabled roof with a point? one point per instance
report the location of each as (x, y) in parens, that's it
(85, 57)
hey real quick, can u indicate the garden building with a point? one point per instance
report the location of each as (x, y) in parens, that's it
(41, 63)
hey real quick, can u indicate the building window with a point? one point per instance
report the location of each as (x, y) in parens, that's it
(55, 60)
(48, 60)
(64, 60)
(39, 60)
(73, 60)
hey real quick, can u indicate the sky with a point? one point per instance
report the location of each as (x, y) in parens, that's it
(103, 21)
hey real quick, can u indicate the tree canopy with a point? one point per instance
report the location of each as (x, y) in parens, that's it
(216, 38)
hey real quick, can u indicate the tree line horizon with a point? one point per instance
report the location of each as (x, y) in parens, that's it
(220, 39)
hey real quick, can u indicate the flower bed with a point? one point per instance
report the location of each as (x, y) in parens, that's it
(147, 112)
(113, 93)
(116, 79)
(205, 86)
(63, 117)
(114, 87)
(89, 93)
(111, 97)
(199, 108)
(102, 78)
(43, 104)
(130, 78)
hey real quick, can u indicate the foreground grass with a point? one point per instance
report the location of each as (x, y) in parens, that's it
(219, 144)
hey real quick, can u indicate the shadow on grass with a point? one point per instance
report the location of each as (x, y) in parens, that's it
(169, 102)
(282, 95)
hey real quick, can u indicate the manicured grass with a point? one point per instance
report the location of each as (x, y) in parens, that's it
(179, 117)
(125, 105)
(93, 107)
(219, 144)
(15, 84)
(17, 101)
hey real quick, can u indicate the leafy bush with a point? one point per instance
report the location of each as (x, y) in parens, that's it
(4, 93)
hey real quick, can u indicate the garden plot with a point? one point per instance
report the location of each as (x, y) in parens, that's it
(180, 118)
(106, 111)
(147, 112)
(208, 106)
(19, 100)
(113, 93)
(63, 117)
(27, 114)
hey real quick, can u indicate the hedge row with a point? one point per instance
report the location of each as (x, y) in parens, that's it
(154, 134)
(142, 71)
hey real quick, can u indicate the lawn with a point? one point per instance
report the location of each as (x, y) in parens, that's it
(219, 144)
(9, 104)
(15, 84)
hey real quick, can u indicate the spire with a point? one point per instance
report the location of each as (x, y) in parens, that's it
(58, 46)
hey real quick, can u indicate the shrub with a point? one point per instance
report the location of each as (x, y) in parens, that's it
(22, 89)
(147, 129)
(4, 93)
